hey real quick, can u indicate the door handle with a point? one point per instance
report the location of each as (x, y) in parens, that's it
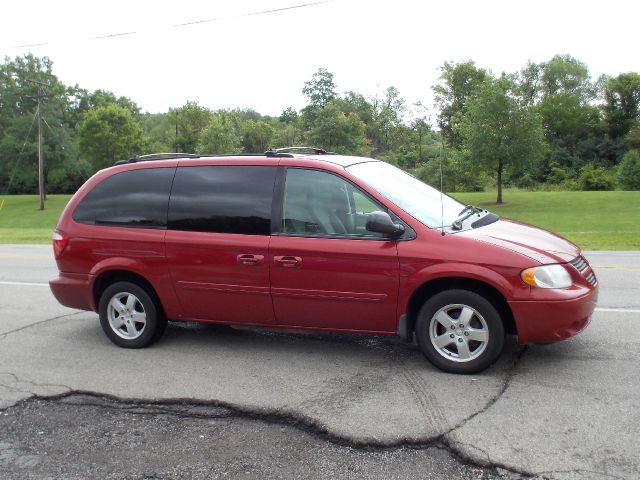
(287, 261)
(250, 259)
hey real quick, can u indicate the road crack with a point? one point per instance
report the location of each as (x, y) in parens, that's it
(31, 325)
(492, 401)
(17, 384)
(196, 409)
(454, 446)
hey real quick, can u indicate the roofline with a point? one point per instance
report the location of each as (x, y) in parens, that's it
(319, 155)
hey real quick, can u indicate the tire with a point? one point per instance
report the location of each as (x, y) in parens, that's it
(460, 331)
(130, 316)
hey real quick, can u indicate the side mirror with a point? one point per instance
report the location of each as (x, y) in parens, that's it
(380, 222)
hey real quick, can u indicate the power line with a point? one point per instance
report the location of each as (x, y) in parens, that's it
(252, 14)
(189, 24)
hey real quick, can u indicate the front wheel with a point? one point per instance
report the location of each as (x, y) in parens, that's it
(460, 331)
(129, 315)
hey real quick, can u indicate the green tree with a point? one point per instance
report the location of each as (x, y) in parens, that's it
(248, 114)
(18, 149)
(86, 101)
(18, 156)
(218, 137)
(288, 135)
(340, 132)
(288, 115)
(562, 92)
(108, 133)
(159, 131)
(565, 74)
(498, 132)
(528, 83)
(386, 128)
(459, 174)
(352, 102)
(256, 136)
(188, 121)
(571, 127)
(622, 104)
(320, 89)
(633, 137)
(629, 171)
(458, 84)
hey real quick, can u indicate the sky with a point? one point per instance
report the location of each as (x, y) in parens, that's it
(237, 58)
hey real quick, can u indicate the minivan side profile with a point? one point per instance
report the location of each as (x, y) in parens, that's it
(312, 241)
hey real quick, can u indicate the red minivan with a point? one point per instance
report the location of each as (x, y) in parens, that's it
(312, 241)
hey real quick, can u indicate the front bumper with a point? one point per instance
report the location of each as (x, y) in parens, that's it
(73, 290)
(551, 321)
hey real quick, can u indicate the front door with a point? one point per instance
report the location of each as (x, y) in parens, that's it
(327, 271)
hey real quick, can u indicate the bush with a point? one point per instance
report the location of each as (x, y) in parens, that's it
(558, 175)
(629, 171)
(571, 184)
(596, 178)
(526, 181)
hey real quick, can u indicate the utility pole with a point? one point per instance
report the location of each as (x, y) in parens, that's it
(40, 156)
(40, 99)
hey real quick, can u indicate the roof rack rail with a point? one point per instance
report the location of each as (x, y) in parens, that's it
(275, 153)
(156, 156)
(223, 155)
(286, 151)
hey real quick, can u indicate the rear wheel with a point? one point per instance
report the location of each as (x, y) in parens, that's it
(460, 331)
(130, 316)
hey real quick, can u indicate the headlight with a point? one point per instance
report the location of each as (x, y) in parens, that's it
(547, 276)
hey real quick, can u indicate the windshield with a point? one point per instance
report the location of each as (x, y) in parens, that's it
(416, 198)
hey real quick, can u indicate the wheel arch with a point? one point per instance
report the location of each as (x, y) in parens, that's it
(109, 277)
(432, 287)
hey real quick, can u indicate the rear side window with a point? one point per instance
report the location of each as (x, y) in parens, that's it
(136, 198)
(223, 199)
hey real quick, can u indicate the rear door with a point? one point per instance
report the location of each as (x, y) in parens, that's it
(327, 271)
(218, 239)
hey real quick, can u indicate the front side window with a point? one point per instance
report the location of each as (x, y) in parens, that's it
(135, 198)
(222, 199)
(318, 203)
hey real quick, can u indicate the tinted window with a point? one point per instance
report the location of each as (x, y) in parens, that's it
(319, 203)
(225, 199)
(137, 198)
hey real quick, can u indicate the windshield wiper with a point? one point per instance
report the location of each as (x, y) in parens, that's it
(465, 213)
(466, 209)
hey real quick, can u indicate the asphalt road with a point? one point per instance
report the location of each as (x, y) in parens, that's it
(284, 405)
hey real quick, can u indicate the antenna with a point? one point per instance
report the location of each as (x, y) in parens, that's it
(441, 188)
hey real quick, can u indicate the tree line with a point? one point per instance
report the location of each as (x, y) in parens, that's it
(548, 126)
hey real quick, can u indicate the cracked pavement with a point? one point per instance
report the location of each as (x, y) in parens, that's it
(562, 411)
(114, 440)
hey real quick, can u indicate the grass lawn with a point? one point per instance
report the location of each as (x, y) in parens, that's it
(593, 220)
(22, 222)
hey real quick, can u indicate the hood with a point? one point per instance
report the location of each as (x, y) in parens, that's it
(533, 242)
